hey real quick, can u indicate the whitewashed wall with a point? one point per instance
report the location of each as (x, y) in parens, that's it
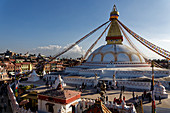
(79, 81)
(135, 85)
(57, 106)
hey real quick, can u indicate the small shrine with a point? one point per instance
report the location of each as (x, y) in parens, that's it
(58, 81)
(95, 81)
(160, 90)
(33, 77)
(114, 82)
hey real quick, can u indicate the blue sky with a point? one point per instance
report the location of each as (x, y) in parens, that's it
(28, 25)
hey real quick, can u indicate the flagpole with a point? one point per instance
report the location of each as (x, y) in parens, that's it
(16, 82)
(15, 68)
(152, 88)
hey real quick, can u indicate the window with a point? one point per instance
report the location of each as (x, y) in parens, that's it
(49, 107)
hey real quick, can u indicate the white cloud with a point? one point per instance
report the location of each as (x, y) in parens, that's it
(52, 50)
(165, 40)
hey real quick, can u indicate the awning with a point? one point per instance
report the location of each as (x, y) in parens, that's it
(75, 103)
(24, 95)
(29, 96)
(50, 104)
(23, 102)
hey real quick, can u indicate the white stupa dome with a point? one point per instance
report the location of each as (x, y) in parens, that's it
(115, 53)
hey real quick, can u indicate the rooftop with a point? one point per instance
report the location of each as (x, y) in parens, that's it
(61, 94)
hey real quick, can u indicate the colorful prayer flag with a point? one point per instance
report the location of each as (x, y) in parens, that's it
(16, 89)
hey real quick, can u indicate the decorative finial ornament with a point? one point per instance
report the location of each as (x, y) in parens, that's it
(114, 14)
(114, 8)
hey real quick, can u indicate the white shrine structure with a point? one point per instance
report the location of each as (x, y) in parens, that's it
(114, 84)
(59, 80)
(33, 77)
(160, 91)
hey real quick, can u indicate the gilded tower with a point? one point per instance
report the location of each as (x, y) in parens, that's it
(114, 35)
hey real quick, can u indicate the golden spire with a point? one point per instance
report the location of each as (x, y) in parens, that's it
(114, 35)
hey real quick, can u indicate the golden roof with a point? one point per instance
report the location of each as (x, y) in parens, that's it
(114, 30)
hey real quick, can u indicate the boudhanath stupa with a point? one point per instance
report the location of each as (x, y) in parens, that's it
(115, 57)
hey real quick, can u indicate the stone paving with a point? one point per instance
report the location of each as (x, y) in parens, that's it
(91, 94)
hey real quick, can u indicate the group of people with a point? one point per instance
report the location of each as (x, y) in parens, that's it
(118, 101)
(145, 95)
(49, 82)
(122, 88)
(81, 87)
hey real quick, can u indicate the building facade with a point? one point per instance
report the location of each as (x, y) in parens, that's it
(59, 101)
